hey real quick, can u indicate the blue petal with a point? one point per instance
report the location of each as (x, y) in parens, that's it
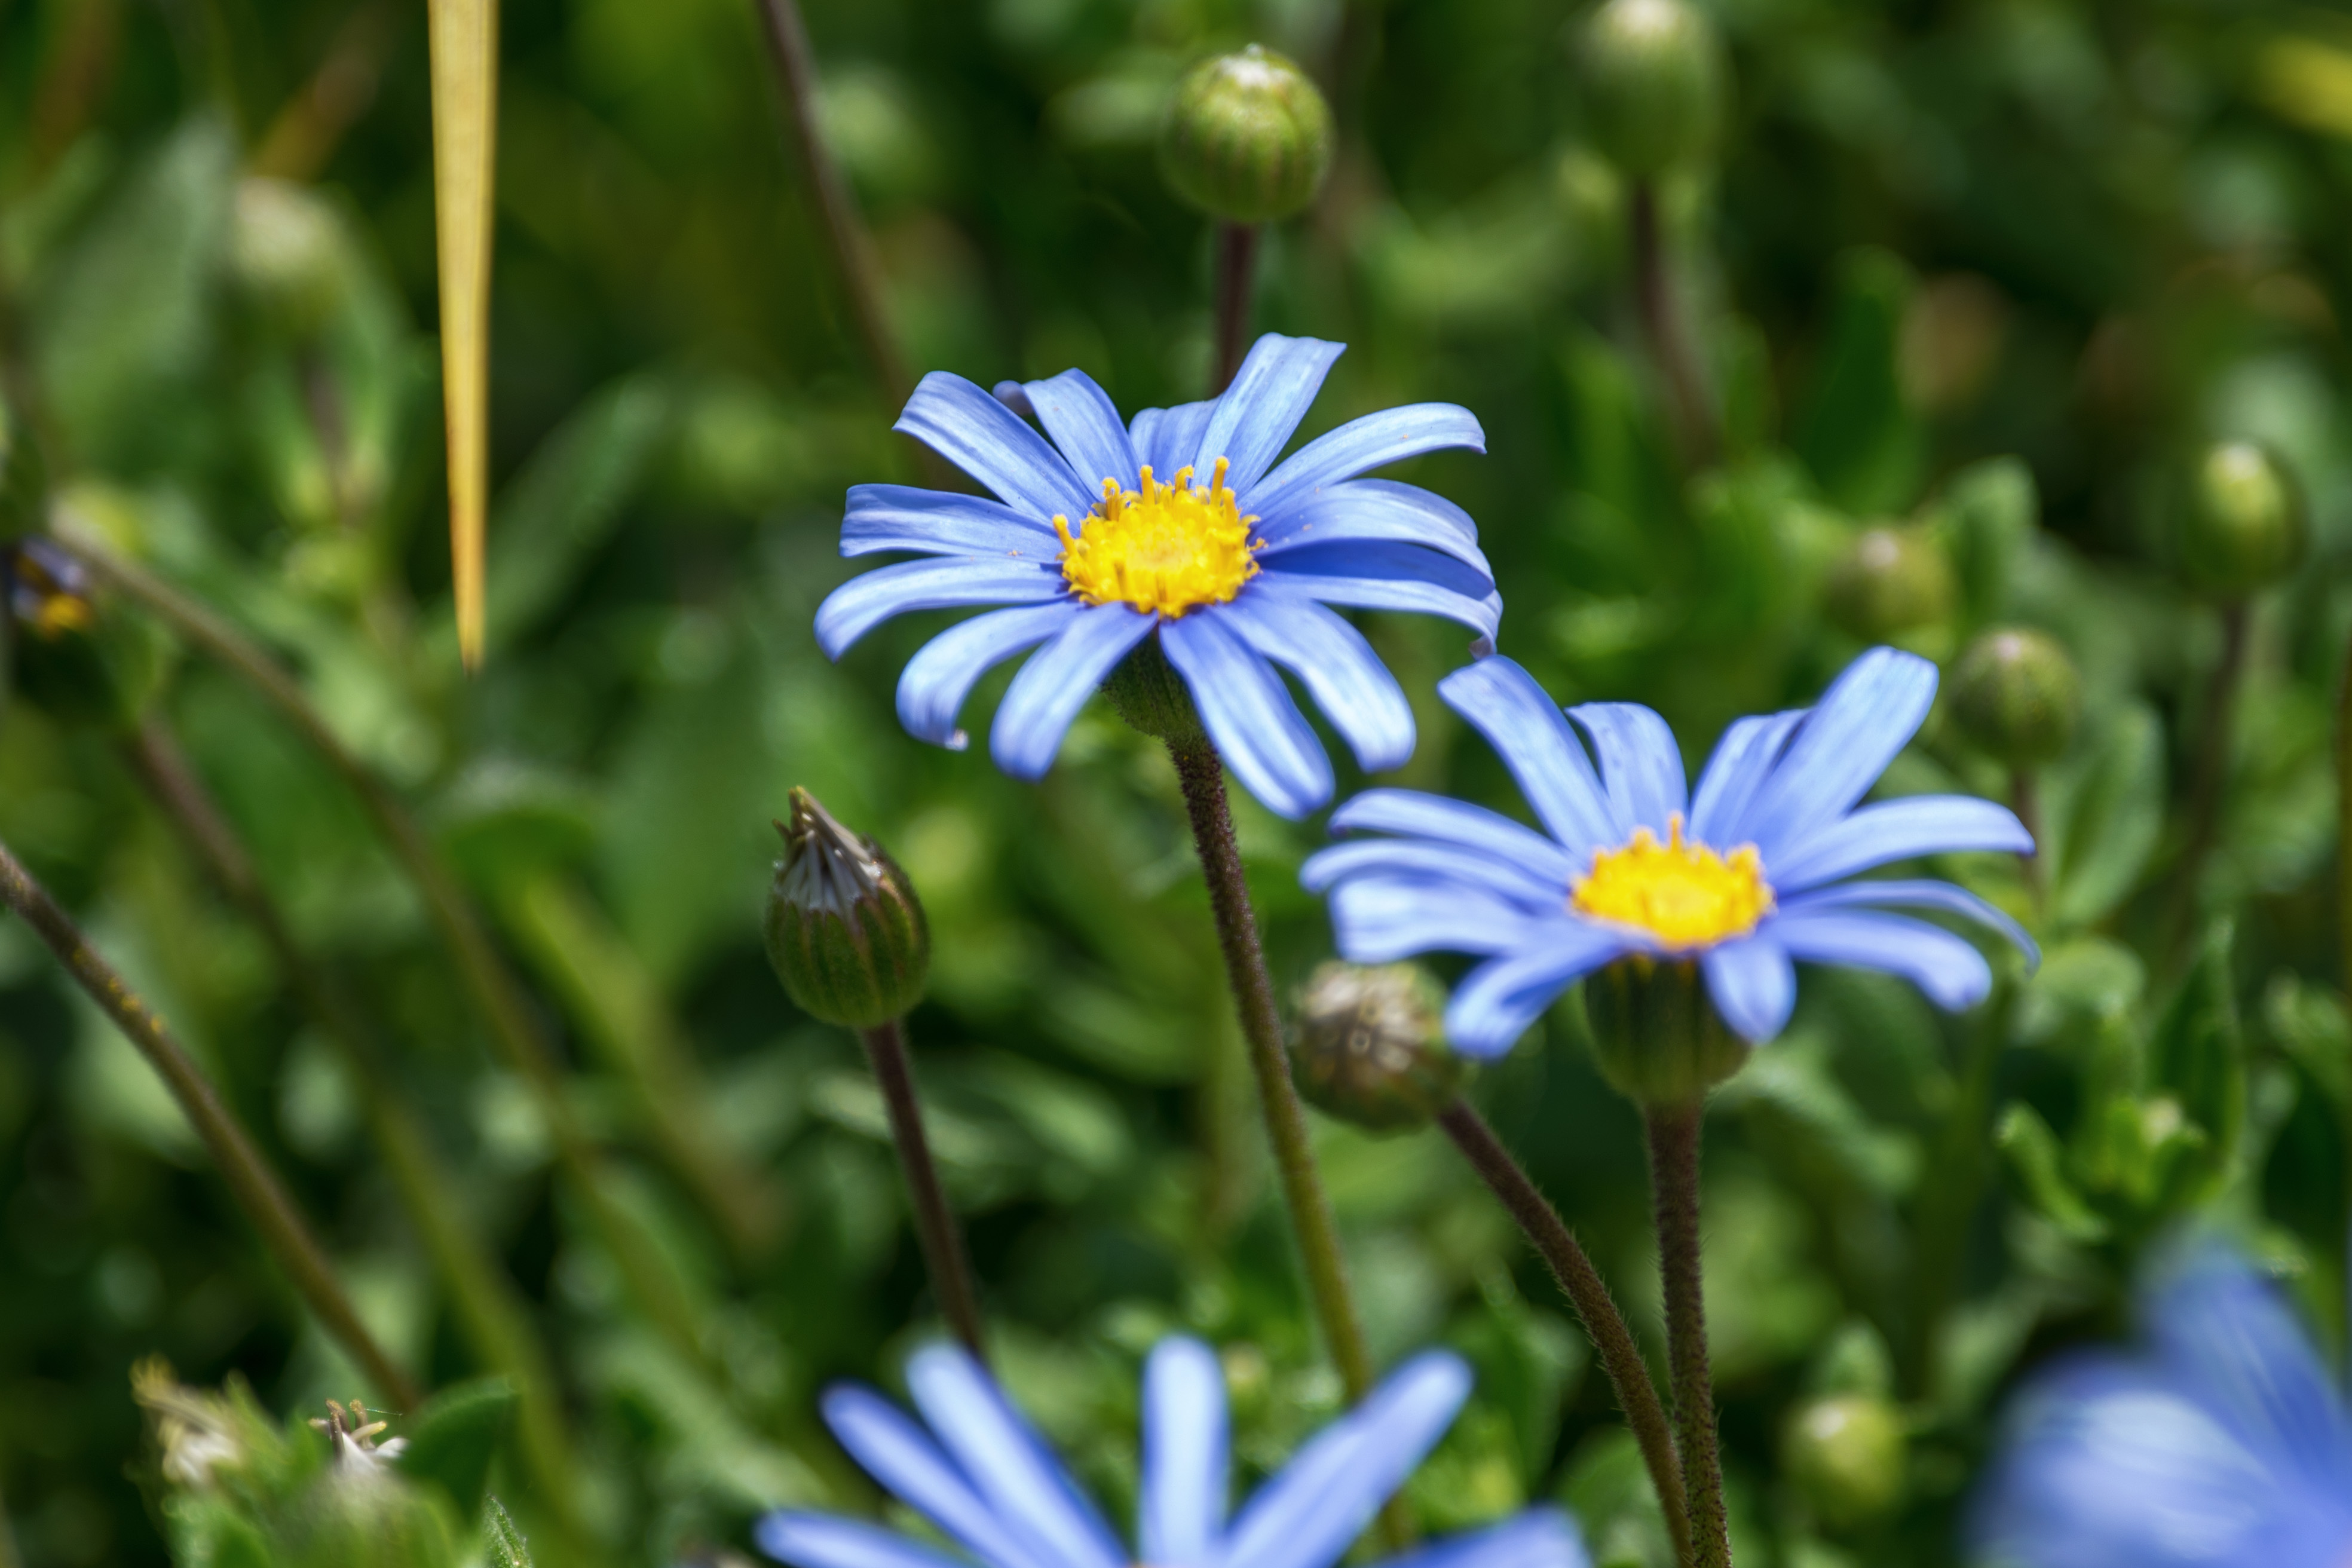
(1374, 510)
(1641, 767)
(1166, 438)
(869, 599)
(1867, 715)
(987, 440)
(1014, 396)
(933, 686)
(1373, 441)
(1084, 423)
(1752, 984)
(1917, 893)
(1251, 422)
(1045, 698)
(1249, 714)
(1378, 919)
(1483, 615)
(1337, 665)
(1953, 973)
(901, 1456)
(1028, 1488)
(1383, 558)
(1475, 827)
(1532, 737)
(1436, 862)
(1497, 1001)
(1181, 1513)
(1897, 830)
(821, 1541)
(1539, 1538)
(1743, 759)
(940, 522)
(1306, 1516)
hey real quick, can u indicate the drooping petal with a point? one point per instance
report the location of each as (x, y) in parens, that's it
(941, 523)
(1378, 919)
(1473, 827)
(1438, 862)
(1337, 665)
(1539, 1538)
(1897, 830)
(1251, 422)
(1641, 767)
(1953, 975)
(1181, 1513)
(987, 440)
(1084, 423)
(902, 1457)
(1046, 697)
(1752, 984)
(1532, 737)
(1249, 714)
(821, 1541)
(1868, 714)
(1361, 445)
(1743, 759)
(869, 599)
(1374, 510)
(1497, 1001)
(933, 686)
(1919, 893)
(1008, 1462)
(1167, 437)
(1483, 615)
(1306, 1516)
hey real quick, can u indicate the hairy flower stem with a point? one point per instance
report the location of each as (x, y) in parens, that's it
(1674, 1133)
(2212, 772)
(1237, 277)
(256, 1187)
(1694, 419)
(1604, 1325)
(944, 1257)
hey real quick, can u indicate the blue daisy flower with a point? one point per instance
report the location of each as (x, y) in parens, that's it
(1742, 878)
(986, 1479)
(2226, 1447)
(1179, 525)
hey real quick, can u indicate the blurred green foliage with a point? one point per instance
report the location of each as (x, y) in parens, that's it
(1982, 275)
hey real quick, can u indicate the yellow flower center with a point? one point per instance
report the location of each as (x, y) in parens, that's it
(1164, 548)
(1685, 895)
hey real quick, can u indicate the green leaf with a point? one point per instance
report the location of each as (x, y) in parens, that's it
(2310, 1025)
(506, 1546)
(2197, 1054)
(1989, 511)
(453, 1438)
(2103, 809)
(1852, 430)
(2034, 1154)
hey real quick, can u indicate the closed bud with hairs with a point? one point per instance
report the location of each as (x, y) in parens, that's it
(1369, 1048)
(845, 930)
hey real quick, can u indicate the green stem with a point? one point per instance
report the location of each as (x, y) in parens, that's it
(944, 1255)
(1674, 1135)
(256, 1187)
(2212, 771)
(1686, 399)
(1236, 275)
(1948, 1203)
(2025, 799)
(1604, 1325)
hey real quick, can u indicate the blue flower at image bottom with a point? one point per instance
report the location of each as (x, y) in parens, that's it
(986, 1479)
(1742, 876)
(1182, 525)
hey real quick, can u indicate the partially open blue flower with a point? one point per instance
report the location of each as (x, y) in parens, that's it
(1181, 524)
(985, 1477)
(1742, 878)
(2227, 1446)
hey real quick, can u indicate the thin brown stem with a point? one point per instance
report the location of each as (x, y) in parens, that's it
(2025, 799)
(1604, 1325)
(2212, 771)
(249, 1178)
(1674, 1178)
(1693, 415)
(944, 1255)
(1236, 279)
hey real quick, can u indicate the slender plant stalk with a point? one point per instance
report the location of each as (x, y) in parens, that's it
(2025, 799)
(1236, 279)
(489, 1310)
(1948, 1202)
(2344, 882)
(944, 1255)
(1604, 1325)
(1674, 1180)
(1694, 418)
(256, 1187)
(2212, 769)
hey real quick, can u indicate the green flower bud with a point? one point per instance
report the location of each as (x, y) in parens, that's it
(2244, 529)
(288, 255)
(1845, 1456)
(1247, 138)
(2017, 696)
(1655, 1036)
(1893, 580)
(846, 931)
(1369, 1048)
(1654, 76)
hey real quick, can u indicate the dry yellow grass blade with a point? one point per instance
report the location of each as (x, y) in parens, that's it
(465, 155)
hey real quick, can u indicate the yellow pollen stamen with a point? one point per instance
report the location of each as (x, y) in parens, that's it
(1163, 548)
(1685, 894)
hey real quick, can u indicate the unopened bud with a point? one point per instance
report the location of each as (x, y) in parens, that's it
(1247, 138)
(1371, 1047)
(1894, 579)
(2017, 696)
(1846, 1456)
(1656, 1038)
(1654, 84)
(844, 928)
(289, 255)
(2244, 528)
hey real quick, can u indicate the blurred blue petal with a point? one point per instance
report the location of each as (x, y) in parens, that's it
(1752, 984)
(1181, 1515)
(902, 1457)
(1365, 510)
(940, 522)
(1539, 1538)
(1337, 665)
(1532, 736)
(1497, 1001)
(1045, 698)
(1869, 713)
(1251, 422)
(1378, 919)
(1025, 1484)
(1743, 759)
(1374, 441)
(1641, 768)
(1953, 973)
(821, 1541)
(987, 440)
(933, 686)
(1473, 827)
(1919, 893)
(1249, 714)
(1897, 830)
(1084, 423)
(1437, 862)
(866, 601)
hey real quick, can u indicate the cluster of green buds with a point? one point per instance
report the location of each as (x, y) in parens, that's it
(1369, 1047)
(1247, 138)
(2243, 527)
(845, 930)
